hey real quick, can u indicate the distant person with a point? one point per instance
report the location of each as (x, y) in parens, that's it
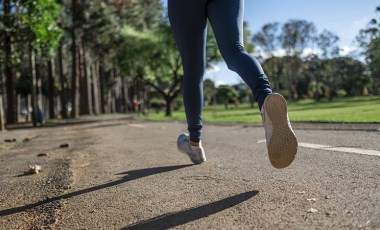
(188, 19)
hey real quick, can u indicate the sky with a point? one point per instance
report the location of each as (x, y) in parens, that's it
(343, 17)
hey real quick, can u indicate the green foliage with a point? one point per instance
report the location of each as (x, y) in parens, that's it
(100, 28)
(31, 22)
(247, 38)
(140, 14)
(213, 53)
(350, 74)
(209, 91)
(151, 55)
(226, 94)
(157, 104)
(44, 32)
(369, 40)
(374, 55)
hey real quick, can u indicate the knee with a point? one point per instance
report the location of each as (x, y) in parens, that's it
(231, 57)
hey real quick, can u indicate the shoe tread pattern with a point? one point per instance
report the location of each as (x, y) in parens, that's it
(282, 147)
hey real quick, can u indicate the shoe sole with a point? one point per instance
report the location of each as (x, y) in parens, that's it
(282, 147)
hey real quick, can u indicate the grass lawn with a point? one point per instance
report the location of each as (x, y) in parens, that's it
(351, 109)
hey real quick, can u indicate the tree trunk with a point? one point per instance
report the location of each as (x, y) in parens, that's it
(85, 88)
(32, 67)
(2, 123)
(118, 92)
(75, 65)
(125, 94)
(39, 89)
(115, 91)
(2, 91)
(10, 87)
(27, 105)
(102, 87)
(275, 74)
(169, 106)
(110, 92)
(2, 80)
(95, 88)
(63, 81)
(51, 96)
(18, 107)
(74, 82)
(290, 73)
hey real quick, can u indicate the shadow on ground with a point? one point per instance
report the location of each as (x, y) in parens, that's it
(129, 176)
(52, 123)
(171, 220)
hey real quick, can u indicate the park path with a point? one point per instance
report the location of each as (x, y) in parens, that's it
(125, 174)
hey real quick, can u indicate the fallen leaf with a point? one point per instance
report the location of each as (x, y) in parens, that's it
(66, 145)
(10, 140)
(33, 169)
(312, 210)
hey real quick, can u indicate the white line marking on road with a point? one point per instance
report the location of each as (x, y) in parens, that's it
(332, 148)
(340, 149)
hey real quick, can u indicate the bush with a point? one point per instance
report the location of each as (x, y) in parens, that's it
(157, 105)
(341, 93)
(178, 104)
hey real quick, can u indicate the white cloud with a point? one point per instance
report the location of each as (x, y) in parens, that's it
(279, 52)
(347, 50)
(219, 83)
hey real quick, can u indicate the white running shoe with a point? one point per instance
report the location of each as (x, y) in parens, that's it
(196, 154)
(280, 138)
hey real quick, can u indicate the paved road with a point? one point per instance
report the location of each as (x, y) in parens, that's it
(122, 174)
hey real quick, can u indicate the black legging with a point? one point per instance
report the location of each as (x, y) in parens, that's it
(188, 19)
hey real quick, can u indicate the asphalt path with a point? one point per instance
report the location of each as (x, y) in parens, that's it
(123, 174)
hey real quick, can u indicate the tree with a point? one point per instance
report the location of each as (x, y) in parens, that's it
(153, 58)
(30, 30)
(275, 68)
(295, 37)
(369, 40)
(327, 42)
(267, 41)
(351, 75)
(209, 91)
(75, 11)
(8, 30)
(43, 35)
(226, 94)
(314, 68)
(102, 37)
